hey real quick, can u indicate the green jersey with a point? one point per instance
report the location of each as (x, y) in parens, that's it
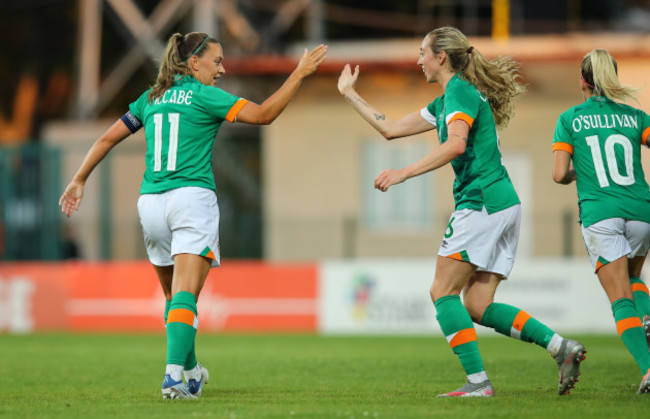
(481, 178)
(180, 129)
(604, 139)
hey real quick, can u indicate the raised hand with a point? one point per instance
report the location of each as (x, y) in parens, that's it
(347, 79)
(310, 61)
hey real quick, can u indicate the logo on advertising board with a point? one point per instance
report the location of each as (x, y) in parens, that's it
(387, 302)
(362, 288)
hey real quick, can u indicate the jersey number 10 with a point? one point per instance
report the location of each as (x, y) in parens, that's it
(612, 163)
(174, 119)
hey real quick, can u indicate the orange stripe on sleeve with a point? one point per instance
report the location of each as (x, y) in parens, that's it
(640, 287)
(181, 315)
(463, 336)
(232, 113)
(563, 147)
(644, 136)
(625, 324)
(520, 320)
(463, 117)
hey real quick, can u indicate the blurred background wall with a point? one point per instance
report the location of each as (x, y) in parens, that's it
(300, 189)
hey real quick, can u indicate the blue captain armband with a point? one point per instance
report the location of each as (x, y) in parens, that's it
(131, 122)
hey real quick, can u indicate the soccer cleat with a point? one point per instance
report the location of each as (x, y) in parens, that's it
(568, 359)
(645, 384)
(646, 327)
(196, 387)
(175, 389)
(483, 389)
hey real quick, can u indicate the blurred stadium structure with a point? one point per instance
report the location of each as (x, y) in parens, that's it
(299, 189)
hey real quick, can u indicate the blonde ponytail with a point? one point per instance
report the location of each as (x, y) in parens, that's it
(599, 71)
(498, 80)
(174, 62)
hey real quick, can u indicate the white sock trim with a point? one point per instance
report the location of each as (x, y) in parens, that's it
(174, 371)
(478, 377)
(194, 373)
(554, 345)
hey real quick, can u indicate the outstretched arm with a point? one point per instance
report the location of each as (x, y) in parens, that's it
(71, 198)
(411, 124)
(272, 107)
(446, 152)
(563, 173)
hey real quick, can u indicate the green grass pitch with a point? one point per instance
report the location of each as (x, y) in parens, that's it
(306, 376)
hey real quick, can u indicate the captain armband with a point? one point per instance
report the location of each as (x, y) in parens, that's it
(131, 122)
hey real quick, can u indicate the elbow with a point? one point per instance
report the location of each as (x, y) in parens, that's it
(560, 178)
(458, 149)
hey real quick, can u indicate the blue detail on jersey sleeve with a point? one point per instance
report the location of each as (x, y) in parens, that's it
(131, 122)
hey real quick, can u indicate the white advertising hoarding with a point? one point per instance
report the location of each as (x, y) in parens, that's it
(392, 297)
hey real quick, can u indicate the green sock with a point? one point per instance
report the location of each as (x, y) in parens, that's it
(630, 329)
(168, 304)
(459, 330)
(190, 361)
(191, 357)
(516, 323)
(181, 327)
(641, 298)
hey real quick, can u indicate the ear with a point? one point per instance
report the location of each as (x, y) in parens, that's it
(442, 58)
(194, 62)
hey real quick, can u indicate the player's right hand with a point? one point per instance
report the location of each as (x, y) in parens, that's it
(347, 79)
(71, 198)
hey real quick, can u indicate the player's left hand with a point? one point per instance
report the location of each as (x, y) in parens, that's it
(71, 198)
(388, 178)
(311, 60)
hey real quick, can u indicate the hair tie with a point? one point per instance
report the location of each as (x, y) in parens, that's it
(198, 48)
(470, 49)
(585, 81)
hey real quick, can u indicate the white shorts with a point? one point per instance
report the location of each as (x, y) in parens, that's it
(183, 220)
(488, 241)
(614, 238)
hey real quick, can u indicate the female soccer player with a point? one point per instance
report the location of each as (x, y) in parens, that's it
(603, 139)
(479, 247)
(178, 207)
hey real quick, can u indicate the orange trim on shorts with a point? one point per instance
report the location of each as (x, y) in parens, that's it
(560, 146)
(463, 336)
(456, 256)
(232, 113)
(210, 255)
(463, 117)
(640, 287)
(599, 265)
(181, 315)
(629, 323)
(520, 320)
(644, 136)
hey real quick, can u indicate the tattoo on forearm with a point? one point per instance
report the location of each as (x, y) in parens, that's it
(458, 136)
(357, 99)
(380, 117)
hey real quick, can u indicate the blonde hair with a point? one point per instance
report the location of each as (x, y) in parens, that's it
(599, 71)
(498, 80)
(174, 62)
